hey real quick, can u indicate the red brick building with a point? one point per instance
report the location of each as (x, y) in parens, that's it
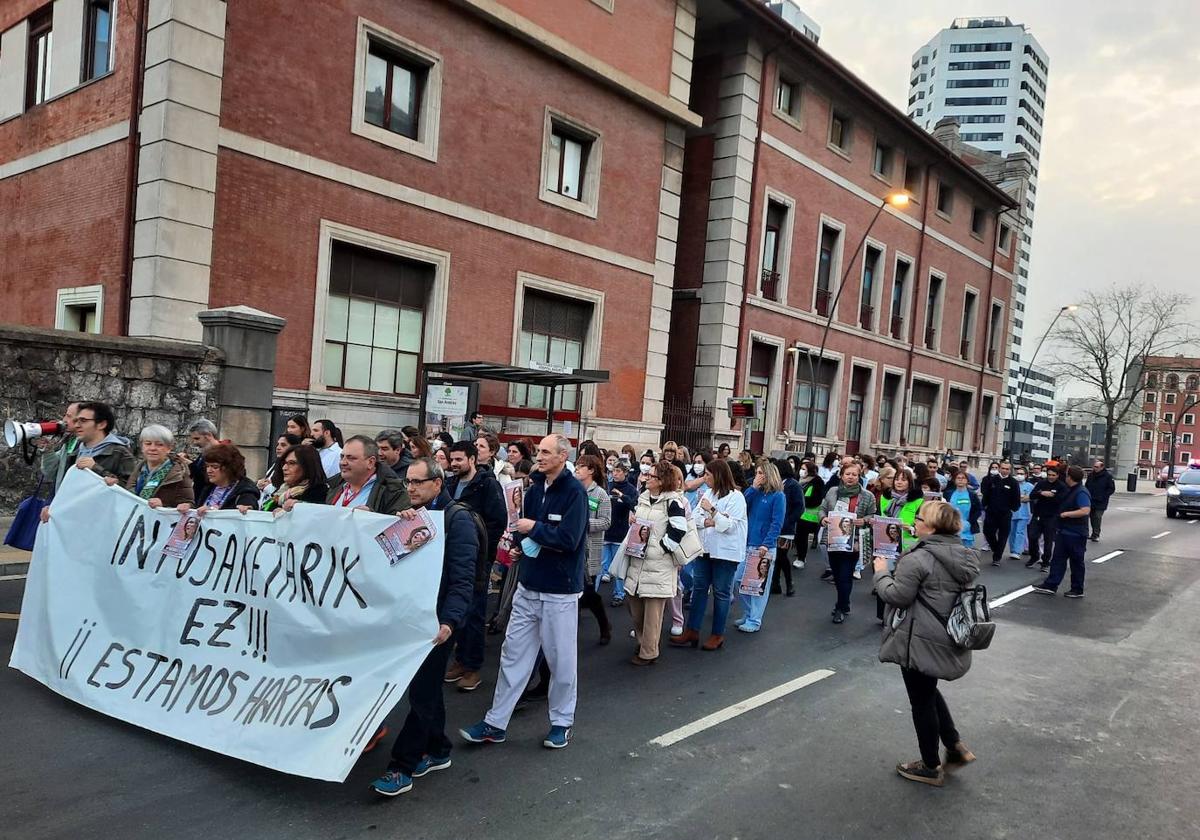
(784, 190)
(1170, 405)
(403, 182)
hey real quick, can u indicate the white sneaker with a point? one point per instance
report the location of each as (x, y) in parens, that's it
(858, 575)
(797, 564)
(606, 578)
(677, 631)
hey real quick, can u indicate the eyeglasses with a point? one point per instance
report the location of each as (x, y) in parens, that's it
(85, 419)
(919, 518)
(291, 462)
(412, 481)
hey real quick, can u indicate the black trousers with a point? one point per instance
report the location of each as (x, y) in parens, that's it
(591, 600)
(842, 563)
(996, 525)
(424, 731)
(783, 566)
(931, 716)
(1042, 530)
(805, 531)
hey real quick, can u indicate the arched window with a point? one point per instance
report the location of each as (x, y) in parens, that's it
(1172, 382)
(1152, 380)
(1193, 382)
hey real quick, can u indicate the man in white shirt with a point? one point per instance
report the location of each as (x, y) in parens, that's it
(327, 438)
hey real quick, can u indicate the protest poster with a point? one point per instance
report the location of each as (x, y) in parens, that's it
(514, 498)
(283, 642)
(886, 537)
(933, 496)
(182, 535)
(839, 531)
(754, 578)
(637, 538)
(404, 536)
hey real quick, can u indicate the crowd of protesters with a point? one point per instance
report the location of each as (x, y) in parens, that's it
(659, 532)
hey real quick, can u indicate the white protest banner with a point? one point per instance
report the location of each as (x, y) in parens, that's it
(281, 642)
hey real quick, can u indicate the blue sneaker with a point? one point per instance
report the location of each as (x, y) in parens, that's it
(557, 738)
(483, 733)
(430, 764)
(392, 783)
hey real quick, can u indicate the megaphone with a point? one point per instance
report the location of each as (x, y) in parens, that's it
(18, 434)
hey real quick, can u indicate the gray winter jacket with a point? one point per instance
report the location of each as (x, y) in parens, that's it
(938, 567)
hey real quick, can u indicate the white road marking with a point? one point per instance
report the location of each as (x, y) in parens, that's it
(1193, 521)
(1160, 536)
(1011, 596)
(1108, 556)
(749, 704)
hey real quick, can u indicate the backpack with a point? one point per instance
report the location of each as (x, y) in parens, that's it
(969, 623)
(483, 563)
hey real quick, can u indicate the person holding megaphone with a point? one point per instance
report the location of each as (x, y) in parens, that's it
(100, 449)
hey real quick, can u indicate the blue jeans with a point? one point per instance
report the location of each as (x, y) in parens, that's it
(753, 606)
(1018, 537)
(1069, 547)
(610, 552)
(706, 572)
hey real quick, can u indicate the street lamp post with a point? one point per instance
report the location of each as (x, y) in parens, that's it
(1175, 434)
(1013, 404)
(899, 199)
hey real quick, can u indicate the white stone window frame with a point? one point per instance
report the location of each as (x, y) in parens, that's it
(774, 381)
(934, 319)
(999, 337)
(897, 403)
(590, 358)
(835, 268)
(428, 120)
(889, 177)
(79, 296)
(783, 263)
(434, 321)
(905, 296)
(589, 202)
(972, 331)
(880, 279)
(937, 411)
(606, 5)
(847, 132)
(868, 430)
(794, 117)
(836, 391)
(1012, 234)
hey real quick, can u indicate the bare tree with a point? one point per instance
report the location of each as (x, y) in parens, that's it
(1103, 344)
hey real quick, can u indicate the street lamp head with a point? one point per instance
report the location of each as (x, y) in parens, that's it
(1071, 307)
(898, 199)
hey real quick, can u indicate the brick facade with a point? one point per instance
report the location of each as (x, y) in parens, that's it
(1169, 404)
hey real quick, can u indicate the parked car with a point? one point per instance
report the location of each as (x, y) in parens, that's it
(1161, 481)
(1183, 497)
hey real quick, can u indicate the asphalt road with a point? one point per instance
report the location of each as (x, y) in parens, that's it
(1082, 714)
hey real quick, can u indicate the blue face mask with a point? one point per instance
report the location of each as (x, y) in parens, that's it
(529, 548)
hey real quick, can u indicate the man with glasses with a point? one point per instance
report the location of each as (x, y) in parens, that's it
(100, 449)
(361, 484)
(545, 609)
(422, 746)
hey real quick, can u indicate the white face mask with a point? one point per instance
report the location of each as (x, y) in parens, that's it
(645, 468)
(697, 469)
(993, 472)
(1020, 476)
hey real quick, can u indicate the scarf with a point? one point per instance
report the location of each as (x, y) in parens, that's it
(283, 494)
(217, 496)
(845, 492)
(899, 498)
(147, 481)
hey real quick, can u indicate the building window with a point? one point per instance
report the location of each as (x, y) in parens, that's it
(374, 320)
(1170, 398)
(1147, 435)
(967, 337)
(1172, 382)
(1185, 457)
(1004, 240)
(397, 92)
(1147, 416)
(1169, 417)
(995, 331)
(1189, 419)
(957, 411)
(945, 198)
(1186, 437)
(933, 312)
(570, 164)
(776, 247)
(1151, 396)
(839, 132)
(827, 260)
(97, 44)
(1193, 382)
(912, 179)
(884, 158)
(887, 407)
(872, 260)
(1145, 453)
(978, 221)
(554, 330)
(37, 57)
(920, 415)
(815, 394)
(80, 309)
(899, 295)
(787, 98)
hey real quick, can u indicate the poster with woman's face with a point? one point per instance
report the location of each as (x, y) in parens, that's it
(182, 534)
(637, 538)
(885, 532)
(404, 536)
(839, 532)
(758, 571)
(514, 496)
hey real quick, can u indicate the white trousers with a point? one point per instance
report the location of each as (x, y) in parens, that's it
(553, 626)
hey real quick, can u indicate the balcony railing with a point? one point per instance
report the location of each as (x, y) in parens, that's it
(769, 286)
(897, 327)
(866, 316)
(930, 338)
(991, 359)
(964, 349)
(823, 301)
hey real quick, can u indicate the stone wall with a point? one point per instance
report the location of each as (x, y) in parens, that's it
(146, 381)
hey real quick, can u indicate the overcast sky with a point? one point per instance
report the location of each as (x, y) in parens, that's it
(1119, 179)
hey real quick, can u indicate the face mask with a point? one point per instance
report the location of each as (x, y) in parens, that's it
(697, 469)
(993, 472)
(1020, 476)
(645, 468)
